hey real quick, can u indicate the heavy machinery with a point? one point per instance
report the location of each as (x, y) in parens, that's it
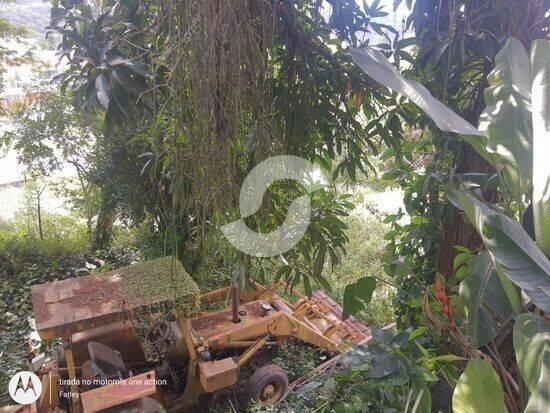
(104, 364)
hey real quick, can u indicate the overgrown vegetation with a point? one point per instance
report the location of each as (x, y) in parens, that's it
(165, 107)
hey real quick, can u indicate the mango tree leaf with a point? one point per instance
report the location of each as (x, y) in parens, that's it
(362, 354)
(344, 407)
(382, 365)
(381, 336)
(531, 341)
(540, 400)
(486, 303)
(514, 253)
(506, 120)
(423, 402)
(102, 90)
(540, 107)
(478, 390)
(375, 64)
(357, 295)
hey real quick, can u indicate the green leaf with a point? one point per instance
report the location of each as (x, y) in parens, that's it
(478, 390)
(102, 90)
(531, 341)
(382, 336)
(382, 365)
(514, 253)
(283, 270)
(357, 295)
(375, 64)
(540, 400)
(136, 67)
(506, 120)
(362, 354)
(307, 287)
(423, 402)
(319, 260)
(540, 106)
(486, 303)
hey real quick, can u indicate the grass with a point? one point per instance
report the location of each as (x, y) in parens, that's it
(36, 261)
(365, 252)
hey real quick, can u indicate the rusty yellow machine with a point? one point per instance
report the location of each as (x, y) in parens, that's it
(104, 363)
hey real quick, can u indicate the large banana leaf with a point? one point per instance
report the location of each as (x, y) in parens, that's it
(540, 400)
(478, 390)
(540, 106)
(486, 299)
(506, 119)
(515, 254)
(531, 341)
(375, 64)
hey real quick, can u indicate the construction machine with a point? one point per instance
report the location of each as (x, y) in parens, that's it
(106, 361)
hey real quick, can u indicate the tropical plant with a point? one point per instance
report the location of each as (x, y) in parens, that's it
(390, 374)
(507, 138)
(228, 87)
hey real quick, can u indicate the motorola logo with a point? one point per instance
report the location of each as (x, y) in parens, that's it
(25, 387)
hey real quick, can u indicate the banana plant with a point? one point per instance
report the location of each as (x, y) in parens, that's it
(514, 136)
(518, 104)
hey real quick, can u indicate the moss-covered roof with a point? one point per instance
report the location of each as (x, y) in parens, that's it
(67, 306)
(165, 279)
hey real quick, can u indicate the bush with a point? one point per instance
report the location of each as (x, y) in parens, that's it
(20, 240)
(365, 252)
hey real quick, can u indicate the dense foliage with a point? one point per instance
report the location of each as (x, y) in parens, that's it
(165, 107)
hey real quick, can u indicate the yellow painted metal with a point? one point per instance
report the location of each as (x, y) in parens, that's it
(49, 398)
(72, 376)
(218, 374)
(253, 330)
(250, 352)
(238, 344)
(193, 387)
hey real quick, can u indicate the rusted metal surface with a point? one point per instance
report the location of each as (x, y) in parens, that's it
(19, 408)
(210, 324)
(215, 375)
(120, 336)
(69, 306)
(65, 306)
(357, 330)
(112, 395)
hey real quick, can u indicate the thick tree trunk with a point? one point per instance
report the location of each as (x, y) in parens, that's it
(455, 231)
(105, 221)
(39, 213)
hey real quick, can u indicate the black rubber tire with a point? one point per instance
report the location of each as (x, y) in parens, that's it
(268, 375)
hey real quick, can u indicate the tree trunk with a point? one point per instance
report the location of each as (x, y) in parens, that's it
(105, 221)
(39, 213)
(454, 230)
(39, 193)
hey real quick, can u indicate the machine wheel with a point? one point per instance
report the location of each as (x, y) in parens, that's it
(267, 385)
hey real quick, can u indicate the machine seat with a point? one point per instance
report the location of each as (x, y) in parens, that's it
(106, 362)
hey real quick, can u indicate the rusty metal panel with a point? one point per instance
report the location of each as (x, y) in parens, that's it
(69, 306)
(215, 375)
(120, 336)
(356, 330)
(217, 322)
(105, 397)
